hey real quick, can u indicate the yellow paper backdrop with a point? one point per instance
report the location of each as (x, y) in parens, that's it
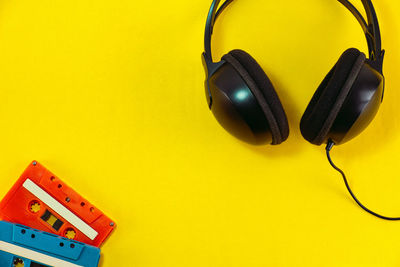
(109, 96)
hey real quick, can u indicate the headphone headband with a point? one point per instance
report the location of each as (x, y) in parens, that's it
(209, 29)
(371, 30)
(373, 25)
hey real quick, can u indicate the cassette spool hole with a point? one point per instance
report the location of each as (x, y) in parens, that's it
(18, 262)
(34, 206)
(70, 233)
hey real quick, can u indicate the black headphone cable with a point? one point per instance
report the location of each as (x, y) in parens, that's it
(328, 149)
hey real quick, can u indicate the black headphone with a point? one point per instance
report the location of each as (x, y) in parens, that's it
(244, 101)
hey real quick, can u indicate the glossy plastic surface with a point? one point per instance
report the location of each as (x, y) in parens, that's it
(360, 107)
(210, 68)
(16, 207)
(236, 108)
(44, 243)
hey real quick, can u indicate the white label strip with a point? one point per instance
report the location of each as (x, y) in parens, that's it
(60, 209)
(34, 256)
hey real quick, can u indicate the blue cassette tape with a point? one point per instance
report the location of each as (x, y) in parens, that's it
(27, 247)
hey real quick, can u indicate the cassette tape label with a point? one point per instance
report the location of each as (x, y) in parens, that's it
(31, 255)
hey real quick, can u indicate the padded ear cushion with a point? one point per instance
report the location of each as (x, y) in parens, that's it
(325, 105)
(264, 92)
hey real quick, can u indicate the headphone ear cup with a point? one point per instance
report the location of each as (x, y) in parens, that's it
(327, 101)
(264, 92)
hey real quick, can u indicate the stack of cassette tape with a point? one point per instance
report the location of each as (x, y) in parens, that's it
(45, 223)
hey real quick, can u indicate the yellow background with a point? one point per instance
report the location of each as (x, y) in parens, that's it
(109, 96)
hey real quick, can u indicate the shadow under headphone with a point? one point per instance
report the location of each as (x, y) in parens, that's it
(244, 101)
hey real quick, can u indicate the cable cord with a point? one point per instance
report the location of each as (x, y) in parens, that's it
(328, 150)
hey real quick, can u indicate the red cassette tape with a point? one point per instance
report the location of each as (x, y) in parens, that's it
(42, 201)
